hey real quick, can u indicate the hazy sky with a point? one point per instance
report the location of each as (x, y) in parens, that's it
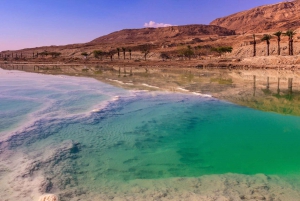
(32, 23)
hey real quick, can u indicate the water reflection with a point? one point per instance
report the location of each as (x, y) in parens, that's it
(263, 89)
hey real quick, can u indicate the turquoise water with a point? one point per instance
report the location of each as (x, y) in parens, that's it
(120, 135)
(183, 136)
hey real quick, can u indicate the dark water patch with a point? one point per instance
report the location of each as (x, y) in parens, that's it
(132, 170)
(148, 141)
(119, 143)
(130, 161)
(41, 130)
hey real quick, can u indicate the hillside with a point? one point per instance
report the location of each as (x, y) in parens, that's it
(275, 17)
(163, 33)
(170, 40)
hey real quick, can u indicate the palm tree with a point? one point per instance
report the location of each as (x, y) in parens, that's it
(97, 54)
(111, 54)
(254, 46)
(118, 50)
(197, 50)
(129, 53)
(124, 50)
(145, 51)
(278, 34)
(267, 38)
(290, 33)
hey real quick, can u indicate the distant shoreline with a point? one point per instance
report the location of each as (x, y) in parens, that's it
(260, 62)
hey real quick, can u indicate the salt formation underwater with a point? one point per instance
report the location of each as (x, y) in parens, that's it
(79, 138)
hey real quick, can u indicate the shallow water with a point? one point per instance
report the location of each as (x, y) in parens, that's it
(80, 133)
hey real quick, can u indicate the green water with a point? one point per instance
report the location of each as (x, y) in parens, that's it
(144, 135)
(173, 135)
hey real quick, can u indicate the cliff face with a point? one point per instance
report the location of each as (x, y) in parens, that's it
(154, 34)
(275, 17)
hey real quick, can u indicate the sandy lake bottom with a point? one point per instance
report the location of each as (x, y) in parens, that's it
(82, 139)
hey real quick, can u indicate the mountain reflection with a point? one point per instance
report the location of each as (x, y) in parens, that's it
(262, 89)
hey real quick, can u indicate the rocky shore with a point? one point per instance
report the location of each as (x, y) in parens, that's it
(260, 62)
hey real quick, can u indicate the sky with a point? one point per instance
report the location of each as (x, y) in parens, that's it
(34, 23)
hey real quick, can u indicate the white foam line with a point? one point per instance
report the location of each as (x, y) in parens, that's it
(31, 119)
(40, 115)
(203, 95)
(120, 82)
(182, 89)
(105, 104)
(147, 85)
(196, 93)
(46, 112)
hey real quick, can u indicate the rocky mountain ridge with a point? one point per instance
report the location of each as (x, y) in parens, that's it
(275, 17)
(163, 33)
(134, 39)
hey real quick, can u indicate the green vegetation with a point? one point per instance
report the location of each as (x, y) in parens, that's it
(278, 34)
(98, 54)
(118, 50)
(221, 81)
(222, 49)
(197, 50)
(186, 52)
(124, 51)
(98, 72)
(254, 46)
(290, 34)
(189, 52)
(129, 54)
(267, 38)
(288, 97)
(44, 53)
(145, 50)
(111, 54)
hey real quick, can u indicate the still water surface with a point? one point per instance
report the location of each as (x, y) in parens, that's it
(81, 133)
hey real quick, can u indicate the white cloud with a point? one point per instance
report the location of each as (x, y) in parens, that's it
(155, 25)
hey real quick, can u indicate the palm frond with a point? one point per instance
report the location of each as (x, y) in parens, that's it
(266, 37)
(278, 33)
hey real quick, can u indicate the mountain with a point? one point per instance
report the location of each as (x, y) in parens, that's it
(163, 33)
(165, 38)
(275, 17)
